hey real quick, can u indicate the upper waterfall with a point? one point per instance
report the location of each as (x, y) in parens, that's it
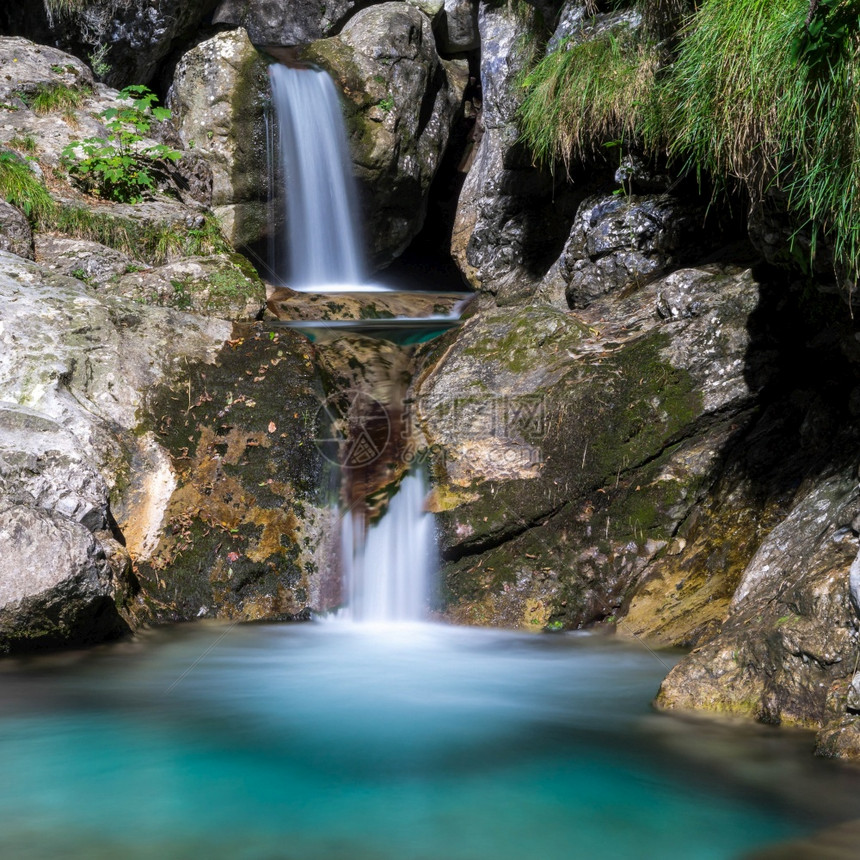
(323, 242)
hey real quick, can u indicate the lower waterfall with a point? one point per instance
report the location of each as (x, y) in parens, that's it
(388, 566)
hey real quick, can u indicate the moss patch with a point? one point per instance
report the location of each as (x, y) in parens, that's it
(241, 438)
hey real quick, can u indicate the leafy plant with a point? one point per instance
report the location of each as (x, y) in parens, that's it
(22, 188)
(829, 25)
(98, 61)
(119, 168)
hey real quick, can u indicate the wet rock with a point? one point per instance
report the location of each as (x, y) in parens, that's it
(126, 43)
(854, 583)
(853, 700)
(578, 23)
(458, 27)
(56, 585)
(16, 237)
(570, 449)
(218, 98)
(245, 534)
(285, 304)
(401, 100)
(620, 242)
(294, 23)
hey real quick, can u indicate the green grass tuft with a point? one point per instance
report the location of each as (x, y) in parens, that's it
(765, 92)
(55, 97)
(583, 95)
(150, 243)
(753, 96)
(22, 188)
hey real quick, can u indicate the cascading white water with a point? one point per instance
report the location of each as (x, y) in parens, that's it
(388, 570)
(323, 242)
(387, 567)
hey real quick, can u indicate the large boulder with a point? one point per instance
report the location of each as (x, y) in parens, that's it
(622, 241)
(123, 424)
(571, 449)
(218, 97)
(274, 23)
(401, 100)
(125, 43)
(57, 586)
(791, 636)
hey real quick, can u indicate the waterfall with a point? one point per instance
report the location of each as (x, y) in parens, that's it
(323, 242)
(388, 568)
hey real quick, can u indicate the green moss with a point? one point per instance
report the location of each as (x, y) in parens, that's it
(520, 342)
(371, 312)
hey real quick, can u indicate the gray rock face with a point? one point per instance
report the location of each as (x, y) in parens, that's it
(618, 242)
(90, 262)
(791, 632)
(578, 24)
(853, 701)
(458, 27)
(854, 583)
(16, 237)
(45, 466)
(218, 99)
(31, 67)
(113, 417)
(507, 220)
(401, 101)
(215, 286)
(270, 22)
(74, 377)
(56, 585)
(125, 42)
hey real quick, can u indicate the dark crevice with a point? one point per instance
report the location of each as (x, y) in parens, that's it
(499, 538)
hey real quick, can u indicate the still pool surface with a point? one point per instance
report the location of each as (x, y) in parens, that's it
(328, 740)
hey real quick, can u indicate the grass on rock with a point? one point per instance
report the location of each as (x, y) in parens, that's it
(749, 90)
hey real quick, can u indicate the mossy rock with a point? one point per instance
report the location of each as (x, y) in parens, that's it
(240, 536)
